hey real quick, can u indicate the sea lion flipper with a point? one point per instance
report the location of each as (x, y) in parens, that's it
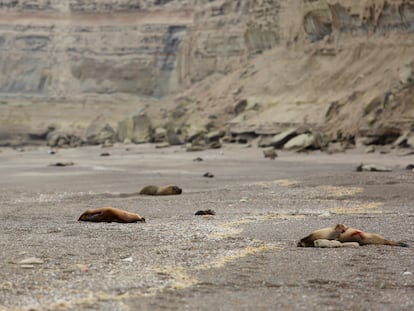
(91, 216)
(94, 216)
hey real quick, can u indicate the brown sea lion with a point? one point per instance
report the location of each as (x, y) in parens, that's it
(331, 233)
(344, 234)
(110, 214)
(365, 238)
(162, 190)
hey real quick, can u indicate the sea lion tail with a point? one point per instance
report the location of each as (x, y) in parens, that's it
(394, 243)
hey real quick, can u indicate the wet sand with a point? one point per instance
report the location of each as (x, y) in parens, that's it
(243, 258)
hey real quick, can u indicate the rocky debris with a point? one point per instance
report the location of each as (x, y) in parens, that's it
(63, 140)
(214, 136)
(138, 129)
(306, 141)
(242, 136)
(198, 159)
(264, 141)
(160, 135)
(380, 136)
(279, 140)
(40, 135)
(205, 212)
(105, 154)
(198, 138)
(402, 141)
(174, 136)
(208, 175)
(98, 136)
(270, 153)
(372, 168)
(195, 133)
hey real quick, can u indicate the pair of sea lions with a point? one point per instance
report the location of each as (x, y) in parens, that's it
(344, 234)
(112, 214)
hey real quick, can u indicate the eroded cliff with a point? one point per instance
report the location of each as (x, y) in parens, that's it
(340, 66)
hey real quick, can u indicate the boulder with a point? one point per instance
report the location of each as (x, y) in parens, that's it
(302, 142)
(63, 140)
(104, 135)
(160, 135)
(264, 141)
(174, 136)
(137, 128)
(380, 136)
(195, 132)
(280, 139)
(214, 136)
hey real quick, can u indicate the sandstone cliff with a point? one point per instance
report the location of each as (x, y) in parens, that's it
(340, 66)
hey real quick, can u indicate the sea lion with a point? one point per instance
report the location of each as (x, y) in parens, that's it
(365, 238)
(110, 214)
(162, 190)
(345, 234)
(331, 233)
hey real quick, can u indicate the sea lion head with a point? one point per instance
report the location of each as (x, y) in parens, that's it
(89, 216)
(340, 228)
(301, 244)
(176, 190)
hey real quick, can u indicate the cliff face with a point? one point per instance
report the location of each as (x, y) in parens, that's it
(68, 49)
(337, 65)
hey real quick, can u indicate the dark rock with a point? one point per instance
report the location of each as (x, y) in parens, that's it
(208, 175)
(380, 136)
(214, 136)
(240, 106)
(62, 164)
(205, 212)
